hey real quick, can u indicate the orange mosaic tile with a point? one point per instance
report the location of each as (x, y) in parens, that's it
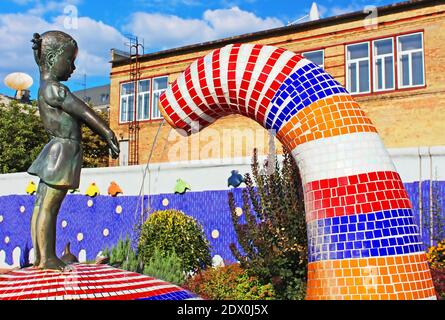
(386, 278)
(325, 118)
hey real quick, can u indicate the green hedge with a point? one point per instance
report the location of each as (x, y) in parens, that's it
(173, 231)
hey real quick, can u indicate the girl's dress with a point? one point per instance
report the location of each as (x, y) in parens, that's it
(59, 163)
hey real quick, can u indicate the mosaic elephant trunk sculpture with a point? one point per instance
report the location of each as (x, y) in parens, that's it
(363, 241)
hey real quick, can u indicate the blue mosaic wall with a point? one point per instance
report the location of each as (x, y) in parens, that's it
(79, 217)
(438, 209)
(210, 208)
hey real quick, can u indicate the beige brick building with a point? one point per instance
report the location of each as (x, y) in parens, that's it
(391, 60)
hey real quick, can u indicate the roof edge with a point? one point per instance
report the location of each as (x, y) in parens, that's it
(383, 10)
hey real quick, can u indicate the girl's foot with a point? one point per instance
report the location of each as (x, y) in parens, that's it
(53, 264)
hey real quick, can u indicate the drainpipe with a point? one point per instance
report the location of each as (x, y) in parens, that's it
(431, 196)
(420, 195)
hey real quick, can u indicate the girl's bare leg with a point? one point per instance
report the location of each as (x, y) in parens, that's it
(52, 199)
(35, 214)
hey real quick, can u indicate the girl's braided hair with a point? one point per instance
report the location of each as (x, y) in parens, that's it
(49, 46)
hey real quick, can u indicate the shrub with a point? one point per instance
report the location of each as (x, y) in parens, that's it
(167, 267)
(438, 275)
(228, 283)
(172, 230)
(436, 255)
(436, 259)
(123, 256)
(273, 238)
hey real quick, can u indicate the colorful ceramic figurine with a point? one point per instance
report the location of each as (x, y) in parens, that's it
(92, 190)
(235, 179)
(31, 188)
(181, 186)
(59, 163)
(114, 189)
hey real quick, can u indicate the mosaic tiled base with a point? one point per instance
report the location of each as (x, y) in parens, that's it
(86, 282)
(363, 242)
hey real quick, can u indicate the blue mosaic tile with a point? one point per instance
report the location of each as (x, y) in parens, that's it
(307, 85)
(210, 208)
(352, 238)
(178, 295)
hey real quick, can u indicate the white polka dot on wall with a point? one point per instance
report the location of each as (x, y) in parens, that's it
(80, 236)
(165, 202)
(22, 209)
(90, 203)
(64, 224)
(215, 234)
(106, 232)
(1, 218)
(7, 239)
(119, 209)
(239, 211)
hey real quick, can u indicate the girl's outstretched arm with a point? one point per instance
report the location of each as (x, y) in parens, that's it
(79, 109)
(58, 95)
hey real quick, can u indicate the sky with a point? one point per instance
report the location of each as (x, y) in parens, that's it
(100, 25)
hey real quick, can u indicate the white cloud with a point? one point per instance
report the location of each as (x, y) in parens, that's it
(162, 31)
(227, 22)
(335, 11)
(166, 31)
(95, 40)
(42, 7)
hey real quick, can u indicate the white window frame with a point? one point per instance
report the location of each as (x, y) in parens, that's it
(141, 95)
(153, 97)
(126, 96)
(409, 52)
(382, 57)
(312, 51)
(357, 62)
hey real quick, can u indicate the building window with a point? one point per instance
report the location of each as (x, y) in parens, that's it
(159, 86)
(149, 91)
(358, 68)
(316, 57)
(383, 64)
(143, 110)
(127, 102)
(410, 60)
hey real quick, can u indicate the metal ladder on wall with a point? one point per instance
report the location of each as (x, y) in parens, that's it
(133, 126)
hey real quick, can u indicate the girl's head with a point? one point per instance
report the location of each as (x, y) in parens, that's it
(55, 52)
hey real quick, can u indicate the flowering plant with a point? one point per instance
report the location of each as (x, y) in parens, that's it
(436, 255)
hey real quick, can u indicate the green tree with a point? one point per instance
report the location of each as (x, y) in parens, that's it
(95, 149)
(273, 237)
(22, 136)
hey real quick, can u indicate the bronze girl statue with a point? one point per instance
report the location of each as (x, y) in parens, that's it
(59, 163)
